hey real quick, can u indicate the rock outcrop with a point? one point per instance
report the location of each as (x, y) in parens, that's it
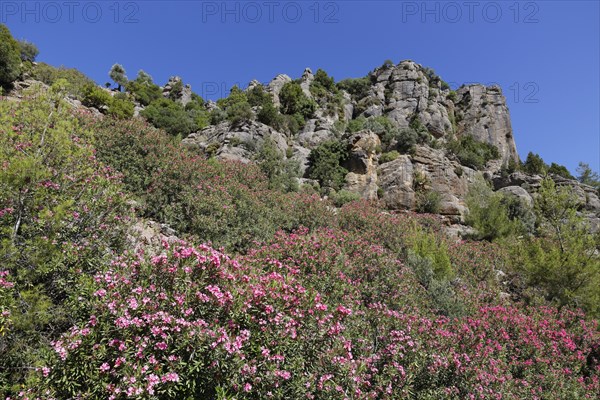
(483, 114)
(235, 142)
(176, 90)
(362, 164)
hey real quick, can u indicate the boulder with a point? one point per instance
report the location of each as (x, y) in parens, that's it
(519, 193)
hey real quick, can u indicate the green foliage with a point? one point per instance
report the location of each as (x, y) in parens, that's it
(239, 113)
(94, 96)
(472, 153)
(117, 74)
(236, 96)
(294, 101)
(452, 96)
(439, 289)
(563, 260)
(587, 176)
(560, 170)
(197, 112)
(534, 164)
(325, 81)
(269, 115)
(495, 215)
(29, 51)
(389, 156)
(281, 173)
(62, 215)
(344, 197)
(227, 203)
(406, 140)
(428, 201)
(382, 126)
(236, 106)
(121, 107)
(170, 116)
(143, 89)
(326, 164)
(48, 74)
(10, 57)
(358, 88)
(258, 96)
(176, 90)
(430, 247)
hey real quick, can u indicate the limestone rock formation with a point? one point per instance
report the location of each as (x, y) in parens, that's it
(483, 114)
(362, 164)
(235, 142)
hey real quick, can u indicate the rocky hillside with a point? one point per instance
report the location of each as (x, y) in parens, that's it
(404, 136)
(414, 100)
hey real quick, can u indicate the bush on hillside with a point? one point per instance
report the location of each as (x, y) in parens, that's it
(10, 57)
(326, 164)
(472, 153)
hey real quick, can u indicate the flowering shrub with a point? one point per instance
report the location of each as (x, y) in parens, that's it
(62, 214)
(193, 322)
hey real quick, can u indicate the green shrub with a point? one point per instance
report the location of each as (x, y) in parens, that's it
(324, 80)
(428, 246)
(389, 156)
(239, 113)
(428, 201)
(495, 215)
(406, 140)
(294, 101)
(48, 74)
(117, 74)
(440, 291)
(62, 215)
(29, 51)
(344, 197)
(10, 57)
(563, 260)
(94, 96)
(197, 112)
(236, 96)
(358, 88)
(170, 116)
(560, 170)
(587, 176)
(121, 108)
(258, 96)
(143, 89)
(269, 115)
(326, 164)
(534, 164)
(472, 153)
(282, 174)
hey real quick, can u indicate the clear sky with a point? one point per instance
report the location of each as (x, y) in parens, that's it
(544, 54)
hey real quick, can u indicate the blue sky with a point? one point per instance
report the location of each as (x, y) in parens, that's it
(544, 54)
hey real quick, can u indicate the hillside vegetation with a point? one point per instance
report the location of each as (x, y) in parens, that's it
(255, 286)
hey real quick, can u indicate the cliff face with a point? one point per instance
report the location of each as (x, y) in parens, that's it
(411, 97)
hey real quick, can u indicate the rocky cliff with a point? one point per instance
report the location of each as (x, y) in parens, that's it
(407, 94)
